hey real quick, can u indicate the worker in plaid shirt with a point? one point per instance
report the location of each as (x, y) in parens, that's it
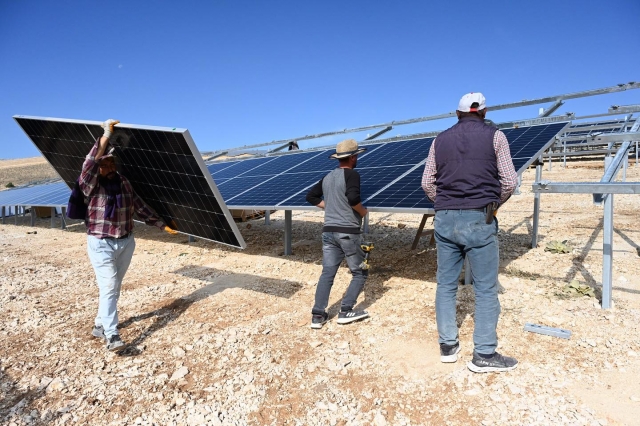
(111, 203)
(468, 174)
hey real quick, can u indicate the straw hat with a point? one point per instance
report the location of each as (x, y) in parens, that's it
(346, 148)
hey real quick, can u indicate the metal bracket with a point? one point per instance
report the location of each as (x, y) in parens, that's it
(549, 331)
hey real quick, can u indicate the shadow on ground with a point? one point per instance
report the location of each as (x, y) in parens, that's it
(218, 281)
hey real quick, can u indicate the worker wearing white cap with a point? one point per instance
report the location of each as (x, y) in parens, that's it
(468, 175)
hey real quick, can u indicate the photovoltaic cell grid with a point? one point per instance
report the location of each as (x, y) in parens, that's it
(390, 172)
(527, 143)
(163, 166)
(46, 195)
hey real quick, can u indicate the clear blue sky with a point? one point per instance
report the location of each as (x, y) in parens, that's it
(244, 72)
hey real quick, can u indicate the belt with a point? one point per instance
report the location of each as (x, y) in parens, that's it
(118, 238)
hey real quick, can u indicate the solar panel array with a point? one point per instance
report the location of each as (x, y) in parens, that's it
(162, 164)
(391, 173)
(45, 195)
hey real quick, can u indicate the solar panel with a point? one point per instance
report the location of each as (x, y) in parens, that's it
(162, 164)
(46, 195)
(406, 192)
(528, 143)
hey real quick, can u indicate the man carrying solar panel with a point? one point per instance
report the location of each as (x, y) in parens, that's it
(468, 174)
(338, 194)
(109, 219)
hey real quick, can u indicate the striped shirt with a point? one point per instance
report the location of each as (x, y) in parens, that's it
(97, 224)
(506, 171)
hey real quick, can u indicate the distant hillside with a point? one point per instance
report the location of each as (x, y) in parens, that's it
(25, 170)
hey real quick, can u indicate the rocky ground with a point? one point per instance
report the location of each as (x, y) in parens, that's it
(221, 336)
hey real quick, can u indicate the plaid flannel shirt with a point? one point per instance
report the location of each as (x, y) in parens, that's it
(97, 225)
(506, 171)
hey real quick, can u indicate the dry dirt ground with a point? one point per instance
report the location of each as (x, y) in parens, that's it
(24, 171)
(221, 336)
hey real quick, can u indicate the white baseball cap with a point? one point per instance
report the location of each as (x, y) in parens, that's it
(469, 99)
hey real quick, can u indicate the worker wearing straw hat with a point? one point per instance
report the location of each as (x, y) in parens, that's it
(338, 193)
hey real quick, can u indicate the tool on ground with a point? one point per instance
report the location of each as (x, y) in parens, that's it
(550, 331)
(367, 248)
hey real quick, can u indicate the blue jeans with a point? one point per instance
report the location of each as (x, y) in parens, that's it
(460, 234)
(110, 259)
(335, 247)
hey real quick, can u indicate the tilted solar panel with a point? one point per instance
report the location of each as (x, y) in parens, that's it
(163, 165)
(48, 194)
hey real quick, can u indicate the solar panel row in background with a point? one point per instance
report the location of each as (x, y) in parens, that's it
(162, 164)
(390, 172)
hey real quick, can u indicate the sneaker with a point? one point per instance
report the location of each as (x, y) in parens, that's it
(345, 317)
(98, 331)
(317, 321)
(114, 342)
(496, 363)
(449, 353)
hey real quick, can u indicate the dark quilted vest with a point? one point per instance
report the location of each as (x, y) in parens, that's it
(467, 171)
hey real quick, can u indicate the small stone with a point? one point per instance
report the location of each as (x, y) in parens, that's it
(55, 385)
(179, 374)
(178, 352)
(315, 343)
(343, 345)
(379, 420)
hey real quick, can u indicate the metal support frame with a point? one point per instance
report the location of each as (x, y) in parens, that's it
(547, 112)
(536, 207)
(267, 217)
(365, 225)
(191, 239)
(607, 252)
(421, 233)
(63, 216)
(33, 215)
(53, 217)
(608, 188)
(611, 89)
(378, 133)
(613, 168)
(3, 215)
(287, 232)
(15, 215)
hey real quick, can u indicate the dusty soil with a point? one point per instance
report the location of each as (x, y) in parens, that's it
(221, 336)
(25, 170)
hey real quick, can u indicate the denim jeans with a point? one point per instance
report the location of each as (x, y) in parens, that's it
(335, 247)
(110, 259)
(460, 234)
